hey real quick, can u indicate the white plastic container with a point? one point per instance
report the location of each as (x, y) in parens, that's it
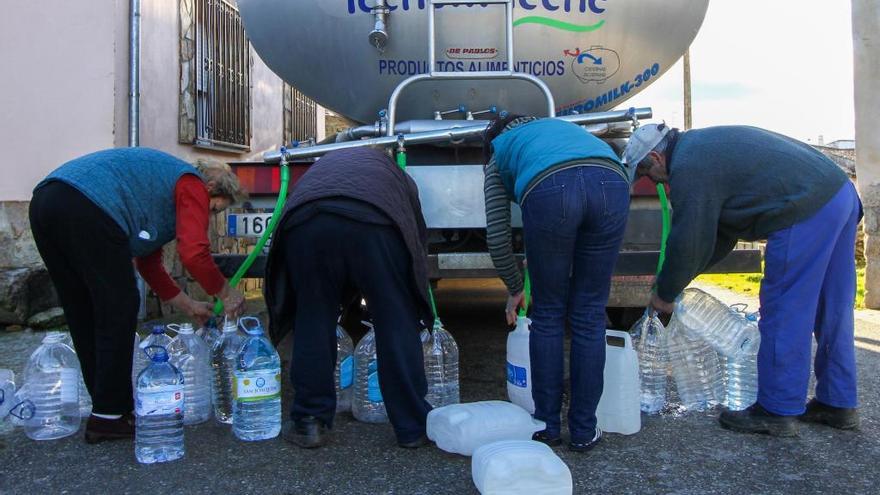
(463, 428)
(618, 410)
(519, 370)
(519, 467)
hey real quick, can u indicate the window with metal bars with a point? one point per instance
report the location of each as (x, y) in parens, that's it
(300, 116)
(222, 77)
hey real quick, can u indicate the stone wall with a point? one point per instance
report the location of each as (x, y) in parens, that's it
(27, 297)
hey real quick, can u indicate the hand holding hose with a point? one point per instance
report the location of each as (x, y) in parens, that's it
(233, 301)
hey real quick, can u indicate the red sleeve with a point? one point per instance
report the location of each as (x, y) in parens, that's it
(193, 206)
(150, 267)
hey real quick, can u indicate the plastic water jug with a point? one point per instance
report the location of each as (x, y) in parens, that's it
(618, 410)
(209, 332)
(695, 368)
(519, 370)
(367, 404)
(343, 373)
(223, 357)
(157, 336)
(7, 400)
(52, 378)
(520, 467)
(462, 428)
(256, 410)
(441, 366)
(192, 357)
(85, 400)
(653, 355)
(159, 399)
(723, 328)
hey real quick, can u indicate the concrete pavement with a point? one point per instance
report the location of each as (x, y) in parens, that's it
(681, 455)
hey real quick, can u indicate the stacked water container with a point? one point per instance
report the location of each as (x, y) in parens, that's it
(713, 350)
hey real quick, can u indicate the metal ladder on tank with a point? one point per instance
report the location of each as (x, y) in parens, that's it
(435, 75)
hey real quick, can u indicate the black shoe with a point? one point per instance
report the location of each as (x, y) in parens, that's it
(307, 433)
(835, 417)
(546, 438)
(418, 442)
(586, 446)
(756, 419)
(102, 429)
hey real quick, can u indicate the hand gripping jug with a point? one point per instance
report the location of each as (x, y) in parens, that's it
(462, 428)
(517, 467)
(519, 371)
(618, 410)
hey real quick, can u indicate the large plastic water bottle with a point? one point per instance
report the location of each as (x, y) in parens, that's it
(741, 372)
(463, 428)
(159, 400)
(367, 405)
(695, 367)
(441, 366)
(618, 409)
(209, 332)
(713, 321)
(85, 400)
(519, 369)
(520, 467)
(192, 357)
(7, 400)
(343, 374)
(256, 410)
(52, 378)
(157, 336)
(224, 355)
(653, 358)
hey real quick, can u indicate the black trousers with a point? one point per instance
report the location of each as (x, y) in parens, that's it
(326, 256)
(90, 263)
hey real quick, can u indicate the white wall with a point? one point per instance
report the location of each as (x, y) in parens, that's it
(56, 93)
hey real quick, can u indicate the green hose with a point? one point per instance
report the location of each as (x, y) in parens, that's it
(664, 208)
(258, 248)
(527, 293)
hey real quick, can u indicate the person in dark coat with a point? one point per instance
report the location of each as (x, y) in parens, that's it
(353, 221)
(741, 182)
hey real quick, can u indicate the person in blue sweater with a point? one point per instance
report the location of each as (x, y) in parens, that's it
(739, 182)
(574, 195)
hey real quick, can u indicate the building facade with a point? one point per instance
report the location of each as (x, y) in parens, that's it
(203, 92)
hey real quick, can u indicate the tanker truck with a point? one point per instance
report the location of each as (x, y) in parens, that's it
(427, 76)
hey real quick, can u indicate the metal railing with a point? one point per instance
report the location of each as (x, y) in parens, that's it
(222, 66)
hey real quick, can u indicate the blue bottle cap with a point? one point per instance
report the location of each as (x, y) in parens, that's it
(157, 329)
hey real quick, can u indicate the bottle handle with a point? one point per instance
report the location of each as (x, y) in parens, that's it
(627, 338)
(175, 327)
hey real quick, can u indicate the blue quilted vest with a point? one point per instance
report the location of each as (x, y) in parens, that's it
(526, 151)
(135, 186)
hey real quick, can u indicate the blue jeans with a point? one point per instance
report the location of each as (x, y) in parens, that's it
(573, 223)
(809, 289)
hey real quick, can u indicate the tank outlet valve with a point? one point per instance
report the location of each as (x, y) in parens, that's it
(379, 35)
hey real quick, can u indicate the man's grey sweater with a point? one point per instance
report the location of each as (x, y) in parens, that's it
(737, 182)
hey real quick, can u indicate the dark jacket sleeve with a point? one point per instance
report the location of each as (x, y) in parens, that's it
(724, 244)
(498, 231)
(692, 240)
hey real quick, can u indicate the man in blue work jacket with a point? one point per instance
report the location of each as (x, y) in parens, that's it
(738, 182)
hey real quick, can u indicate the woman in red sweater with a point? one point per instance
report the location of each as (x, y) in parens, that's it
(90, 218)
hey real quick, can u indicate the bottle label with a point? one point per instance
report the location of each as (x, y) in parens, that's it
(374, 393)
(346, 372)
(252, 386)
(516, 375)
(69, 385)
(159, 401)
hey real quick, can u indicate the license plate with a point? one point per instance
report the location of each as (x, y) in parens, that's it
(247, 224)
